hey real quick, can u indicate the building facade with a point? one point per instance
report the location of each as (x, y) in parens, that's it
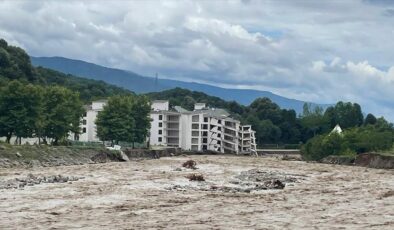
(88, 125)
(199, 130)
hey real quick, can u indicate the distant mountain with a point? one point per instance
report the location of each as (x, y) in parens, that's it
(15, 64)
(143, 84)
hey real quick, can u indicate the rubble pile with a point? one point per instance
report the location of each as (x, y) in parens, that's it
(195, 177)
(246, 182)
(190, 164)
(31, 180)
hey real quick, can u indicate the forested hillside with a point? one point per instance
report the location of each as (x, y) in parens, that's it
(15, 65)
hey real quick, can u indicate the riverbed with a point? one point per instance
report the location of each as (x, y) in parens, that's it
(155, 194)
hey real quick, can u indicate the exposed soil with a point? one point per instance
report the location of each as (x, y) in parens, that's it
(141, 195)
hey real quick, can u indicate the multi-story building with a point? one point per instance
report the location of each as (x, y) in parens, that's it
(88, 125)
(199, 130)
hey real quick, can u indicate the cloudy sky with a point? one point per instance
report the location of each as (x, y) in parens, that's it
(320, 51)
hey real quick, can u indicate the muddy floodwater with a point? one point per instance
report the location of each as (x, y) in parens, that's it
(155, 194)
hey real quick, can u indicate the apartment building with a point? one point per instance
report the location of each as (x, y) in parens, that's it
(88, 125)
(199, 130)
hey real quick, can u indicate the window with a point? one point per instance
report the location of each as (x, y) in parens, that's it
(219, 135)
(84, 130)
(160, 124)
(194, 126)
(195, 118)
(195, 133)
(204, 140)
(160, 117)
(219, 128)
(204, 126)
(84, 122)
(160, 139)
(205, 119)
(160, 132)
(84, 114)
(219, 121)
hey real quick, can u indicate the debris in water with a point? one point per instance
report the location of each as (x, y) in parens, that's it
(190, 164)
(31, 180)
(195, 177)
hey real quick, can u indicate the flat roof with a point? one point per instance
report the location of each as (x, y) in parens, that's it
(159, 101)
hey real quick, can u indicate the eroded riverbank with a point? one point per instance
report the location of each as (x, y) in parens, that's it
(140, 195)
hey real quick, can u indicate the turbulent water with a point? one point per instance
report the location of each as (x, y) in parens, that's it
(238, 193)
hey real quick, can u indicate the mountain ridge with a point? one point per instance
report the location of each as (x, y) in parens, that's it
(143, 84)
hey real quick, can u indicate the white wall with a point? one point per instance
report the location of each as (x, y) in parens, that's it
(160, 105)
(199, 106)
(98, 105)
(154, 130)
(185, 131)
(91, 125)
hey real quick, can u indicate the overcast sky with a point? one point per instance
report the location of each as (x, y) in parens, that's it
(320, 51)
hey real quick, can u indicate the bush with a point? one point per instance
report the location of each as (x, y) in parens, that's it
(322, 146)
(350, 143)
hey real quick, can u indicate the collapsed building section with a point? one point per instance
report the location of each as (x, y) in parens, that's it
(202, 129)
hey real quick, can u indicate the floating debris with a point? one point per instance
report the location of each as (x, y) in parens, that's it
(190, 164)
(30, 180)
(195, 177)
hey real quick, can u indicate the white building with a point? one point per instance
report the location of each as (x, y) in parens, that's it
(88, 126)
(198, 130)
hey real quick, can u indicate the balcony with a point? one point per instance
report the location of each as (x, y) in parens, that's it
(172, 126)
(172, 119)
(230, 132)
(172, 141)
(172, 133)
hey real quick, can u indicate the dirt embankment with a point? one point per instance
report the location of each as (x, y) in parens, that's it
(371, 160)
(46, 156)
(374, 160)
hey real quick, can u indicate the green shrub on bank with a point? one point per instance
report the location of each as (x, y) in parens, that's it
(350, 143)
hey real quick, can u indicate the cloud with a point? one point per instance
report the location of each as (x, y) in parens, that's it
(322, 52)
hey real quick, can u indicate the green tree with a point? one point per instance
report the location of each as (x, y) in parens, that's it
(140, 113)
(346, 114)
(322, 146)
(20, 108)
(62, 113)
(313, 121)
(116, 123)
(370, 119)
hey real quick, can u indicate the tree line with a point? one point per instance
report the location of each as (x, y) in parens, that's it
(46, 104)
(53, 113)
(49, 113)
(366, 138)
(274, 125)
